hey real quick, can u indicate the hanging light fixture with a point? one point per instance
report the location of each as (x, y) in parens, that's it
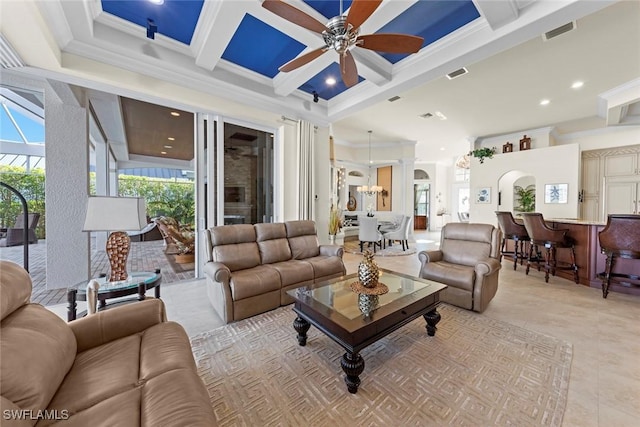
(369, 190)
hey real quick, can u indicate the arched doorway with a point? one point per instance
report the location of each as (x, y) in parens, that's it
(421, 197)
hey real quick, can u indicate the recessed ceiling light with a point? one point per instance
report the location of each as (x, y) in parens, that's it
(168, 146)
(330, 81)
(577, 85)
(163, 152)
(441, 148)
(439, 115)
(175, 113)
(545, 102)
(171, 138)
(157, 1)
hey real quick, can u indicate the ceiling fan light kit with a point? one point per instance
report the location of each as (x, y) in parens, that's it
(341, 34)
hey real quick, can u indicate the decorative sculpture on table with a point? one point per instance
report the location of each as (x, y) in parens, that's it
(368, 271)
(368, 287)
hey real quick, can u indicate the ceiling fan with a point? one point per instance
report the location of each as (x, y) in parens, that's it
(341, 34)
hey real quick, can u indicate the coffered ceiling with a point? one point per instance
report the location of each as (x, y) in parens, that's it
(233, 49)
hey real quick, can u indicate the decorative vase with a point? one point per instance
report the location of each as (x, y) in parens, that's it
(332, 239)
(368, 271)
(367, 303)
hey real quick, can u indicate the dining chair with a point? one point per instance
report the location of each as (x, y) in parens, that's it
(368, 232)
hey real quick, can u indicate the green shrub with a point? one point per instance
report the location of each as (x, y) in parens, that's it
(163, 196)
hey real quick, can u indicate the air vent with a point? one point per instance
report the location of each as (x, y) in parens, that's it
(8, 56)
(457, 73)
(426, 115)
(393, 98)
(560, 30)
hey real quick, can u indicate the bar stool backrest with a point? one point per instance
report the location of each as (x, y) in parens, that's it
(509, 226)
(539, 231)
(621, 236)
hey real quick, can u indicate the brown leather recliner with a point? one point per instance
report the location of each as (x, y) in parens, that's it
(467, 262)
(126, 366)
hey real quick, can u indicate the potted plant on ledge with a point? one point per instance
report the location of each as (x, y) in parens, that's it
(482, 153)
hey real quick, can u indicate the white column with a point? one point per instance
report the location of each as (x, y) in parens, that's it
(67, 173)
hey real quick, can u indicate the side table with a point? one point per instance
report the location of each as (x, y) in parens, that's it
(137, 283)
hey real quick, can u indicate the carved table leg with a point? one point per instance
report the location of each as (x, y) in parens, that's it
(432, 318)
(71, 308)
(352, 365)
(301, 326)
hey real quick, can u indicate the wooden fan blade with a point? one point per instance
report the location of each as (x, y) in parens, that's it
(348, 69)
(294, 15)
(360, 10)
(302, 60)
(391, 43)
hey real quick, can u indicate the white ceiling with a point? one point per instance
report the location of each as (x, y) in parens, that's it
(501, 94)
(510, 68)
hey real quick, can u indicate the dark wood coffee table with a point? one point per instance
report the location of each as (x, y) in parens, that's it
(333, 308)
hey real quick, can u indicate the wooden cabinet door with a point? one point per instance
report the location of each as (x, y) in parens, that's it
(591, 176)
(621, 164)
(621, 197)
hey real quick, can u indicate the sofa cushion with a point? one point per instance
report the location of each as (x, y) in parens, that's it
(456, 275)
(99, 373)
(235, 246)
(294, 271)
(17, 291)
(272, 242)
(37, 350)
(254, 281)
(237, 256)
(324, 266)
(302, 239)
(466, 245)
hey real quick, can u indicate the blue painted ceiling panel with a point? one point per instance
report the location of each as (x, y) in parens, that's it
(329, 8)
(175, 19)
(261, 48)
(431, 20)
(318, 82)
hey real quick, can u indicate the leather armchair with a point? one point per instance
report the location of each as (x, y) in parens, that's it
(126, 366)
(467, 263)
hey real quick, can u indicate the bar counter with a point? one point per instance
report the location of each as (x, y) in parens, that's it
(589, 257)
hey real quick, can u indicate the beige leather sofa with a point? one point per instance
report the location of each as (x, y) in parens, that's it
(126, 366)
(467, 262)
(250, 267)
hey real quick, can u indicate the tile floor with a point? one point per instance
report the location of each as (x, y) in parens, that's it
(604, 387)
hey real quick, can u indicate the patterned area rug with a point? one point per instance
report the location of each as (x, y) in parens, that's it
(353, 247)
(476, 371)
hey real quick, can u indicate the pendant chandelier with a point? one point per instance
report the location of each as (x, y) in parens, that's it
(369, 190)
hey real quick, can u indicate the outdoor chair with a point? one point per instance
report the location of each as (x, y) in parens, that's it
(176, 239)
(13, 236)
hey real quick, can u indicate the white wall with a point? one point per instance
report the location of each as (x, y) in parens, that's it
(550, 165)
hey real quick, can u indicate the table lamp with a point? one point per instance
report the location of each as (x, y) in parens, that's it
(116, 213)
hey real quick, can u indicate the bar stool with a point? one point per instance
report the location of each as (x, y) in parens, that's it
(619, 238)
(511, 230)
(543, 236)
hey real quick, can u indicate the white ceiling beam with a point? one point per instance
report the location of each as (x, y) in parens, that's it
(216, 26)
(285, 83)
(79, 15)
(372, 66)
(497, 13)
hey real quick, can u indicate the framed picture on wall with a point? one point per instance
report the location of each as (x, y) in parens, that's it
(556, 193)
(483, 195)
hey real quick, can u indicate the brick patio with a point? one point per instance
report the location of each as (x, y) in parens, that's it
(144, 256)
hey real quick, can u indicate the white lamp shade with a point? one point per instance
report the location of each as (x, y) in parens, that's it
(115, 214)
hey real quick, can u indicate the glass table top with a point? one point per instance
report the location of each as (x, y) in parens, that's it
(338, 297)
(132, 282)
